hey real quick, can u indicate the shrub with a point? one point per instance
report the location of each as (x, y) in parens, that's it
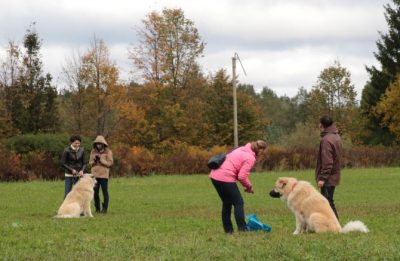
(271, 158)
(142, 160)
(189, 160)
(29, 157)
(11, 168)
(53, 144)
(304, 136)
(365, 156)
(40, 165)
(41, 153)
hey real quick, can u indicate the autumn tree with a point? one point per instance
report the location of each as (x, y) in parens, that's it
(317, 106)
(335, 83)
(252, 123)
(75, 110)
(126, 123)
(335, 96)
(220, 112)
(6, 129)
(88, 77)
(193, 101)
(99, 76)
(95, 101)
(389, 108)
(281, 112)
(251, 120)
(388, 56)
(9, 69)
(169, 45)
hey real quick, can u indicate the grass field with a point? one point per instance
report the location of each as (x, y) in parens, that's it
(178, 218)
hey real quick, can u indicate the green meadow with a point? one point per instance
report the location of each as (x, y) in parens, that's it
(178, 218)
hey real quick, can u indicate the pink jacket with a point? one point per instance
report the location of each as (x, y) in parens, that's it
(236, 167)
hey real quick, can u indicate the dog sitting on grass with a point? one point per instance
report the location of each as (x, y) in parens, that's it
(311, 209)
(78, 200)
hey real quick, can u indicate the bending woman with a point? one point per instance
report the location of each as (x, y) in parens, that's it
(236, 167)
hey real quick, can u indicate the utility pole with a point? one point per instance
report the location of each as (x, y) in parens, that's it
(235, 120)
(235, 123)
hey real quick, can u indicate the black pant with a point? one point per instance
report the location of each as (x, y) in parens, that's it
(328, 192)
(230, 196)
(103, 183)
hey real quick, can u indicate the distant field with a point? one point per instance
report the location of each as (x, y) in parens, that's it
(178, 218)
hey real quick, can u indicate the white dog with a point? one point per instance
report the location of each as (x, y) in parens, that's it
(311, 209)
(78, 200)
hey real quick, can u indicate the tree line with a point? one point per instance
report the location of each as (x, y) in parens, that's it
(177, 103)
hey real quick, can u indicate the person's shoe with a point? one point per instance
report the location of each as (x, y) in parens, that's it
(104, 209)
(243, 229)
(97, 211)
(229, 231)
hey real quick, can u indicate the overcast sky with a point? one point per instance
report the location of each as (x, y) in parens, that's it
(283, 44)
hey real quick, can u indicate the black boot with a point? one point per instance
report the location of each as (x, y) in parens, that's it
(104, 210)
(97, 206)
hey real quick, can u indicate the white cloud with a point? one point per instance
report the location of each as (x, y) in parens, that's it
(283, 44)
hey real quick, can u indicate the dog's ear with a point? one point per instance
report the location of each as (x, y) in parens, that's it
(282, 182)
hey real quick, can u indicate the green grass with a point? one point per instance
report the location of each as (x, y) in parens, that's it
(178, 218)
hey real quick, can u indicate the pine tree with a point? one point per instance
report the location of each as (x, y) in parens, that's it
(30, 96)
(388, 56)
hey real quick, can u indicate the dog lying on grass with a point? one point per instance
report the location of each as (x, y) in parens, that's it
(311, 209)
(78, 200)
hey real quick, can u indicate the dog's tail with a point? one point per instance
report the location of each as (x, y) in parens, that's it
(355, 226)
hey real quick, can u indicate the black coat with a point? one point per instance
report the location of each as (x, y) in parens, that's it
(73, 160)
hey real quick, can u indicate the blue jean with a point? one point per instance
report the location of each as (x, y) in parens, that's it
(69, 182)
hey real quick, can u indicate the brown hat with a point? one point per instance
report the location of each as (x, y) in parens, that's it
(100, 139)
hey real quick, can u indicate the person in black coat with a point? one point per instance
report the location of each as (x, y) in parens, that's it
(73, 162)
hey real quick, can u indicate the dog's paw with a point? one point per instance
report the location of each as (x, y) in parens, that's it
(296, 232)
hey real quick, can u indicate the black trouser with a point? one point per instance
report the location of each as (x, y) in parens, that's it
(103, 183)
(230, 196)
(328, 192)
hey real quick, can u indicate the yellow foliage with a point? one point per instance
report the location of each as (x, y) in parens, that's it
(389, 108)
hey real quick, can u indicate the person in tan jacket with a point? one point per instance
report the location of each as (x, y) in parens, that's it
(101, 160)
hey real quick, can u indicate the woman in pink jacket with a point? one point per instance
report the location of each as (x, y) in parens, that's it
(236, 167)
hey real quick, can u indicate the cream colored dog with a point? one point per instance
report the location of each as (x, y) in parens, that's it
(78, 200)
(311, 209)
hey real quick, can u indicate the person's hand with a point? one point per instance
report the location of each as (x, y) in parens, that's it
(320, 183)
(249, 190)
(74, 172)
(80, 173)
